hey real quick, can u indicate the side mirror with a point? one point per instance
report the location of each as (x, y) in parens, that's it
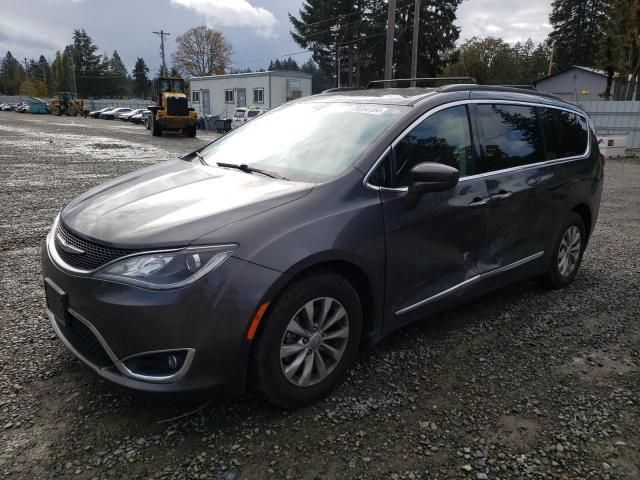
(429, 177)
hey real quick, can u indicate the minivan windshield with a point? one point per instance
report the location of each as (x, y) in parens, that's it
(306, 142)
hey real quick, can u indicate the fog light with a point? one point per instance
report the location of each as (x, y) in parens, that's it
(156, 364)
(173, 362)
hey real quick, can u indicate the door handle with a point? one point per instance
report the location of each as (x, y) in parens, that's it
(479, 202)
(502, 195)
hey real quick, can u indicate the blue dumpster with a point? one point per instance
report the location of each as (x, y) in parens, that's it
(36, 105)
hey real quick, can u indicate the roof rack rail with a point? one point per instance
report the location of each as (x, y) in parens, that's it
(498, 88)
(340, 89)
(455, 80)
(523, 87)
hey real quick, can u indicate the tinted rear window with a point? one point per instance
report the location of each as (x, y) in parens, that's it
(565, 133)
(511, 136)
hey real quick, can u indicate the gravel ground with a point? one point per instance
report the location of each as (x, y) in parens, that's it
(524, 383)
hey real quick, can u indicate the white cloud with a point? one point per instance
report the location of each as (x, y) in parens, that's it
(512, 20)
(233, 13)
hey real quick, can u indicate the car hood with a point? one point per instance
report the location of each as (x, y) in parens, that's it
(173, 203)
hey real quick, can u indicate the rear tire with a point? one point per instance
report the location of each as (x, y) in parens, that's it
(316, 352)
(567, 253)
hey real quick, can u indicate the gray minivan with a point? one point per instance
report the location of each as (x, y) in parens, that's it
(267, 258)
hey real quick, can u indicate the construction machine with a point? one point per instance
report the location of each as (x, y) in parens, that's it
(172, 111)
(66, 103)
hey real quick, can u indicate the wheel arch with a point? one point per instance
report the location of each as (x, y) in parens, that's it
(351, 271)
(584, 211)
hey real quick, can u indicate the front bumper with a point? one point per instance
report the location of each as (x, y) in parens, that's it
(207, 320)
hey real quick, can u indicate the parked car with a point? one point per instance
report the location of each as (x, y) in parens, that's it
(243, 115)
(146, 119)
(22, 107)
(111, 114)
(270, 256)
(139, 117)
(125, 116)
(96, 113)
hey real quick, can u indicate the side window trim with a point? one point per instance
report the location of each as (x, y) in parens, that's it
(470, 102)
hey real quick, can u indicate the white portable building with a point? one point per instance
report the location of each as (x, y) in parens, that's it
(222, 94)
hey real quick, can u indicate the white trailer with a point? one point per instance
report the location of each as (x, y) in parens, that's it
(221, 94)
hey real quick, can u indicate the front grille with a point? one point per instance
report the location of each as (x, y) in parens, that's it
(94, 255)
(178, 106)
(85, 342)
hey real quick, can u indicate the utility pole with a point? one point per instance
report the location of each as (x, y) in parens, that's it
(162, 34)
(553, 49)
(26, 68)
(414, 43)
(73, 69)
(338, 66)
(391, 26)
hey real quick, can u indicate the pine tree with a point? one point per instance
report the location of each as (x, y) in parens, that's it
(578, 26)
(620, 50)
(44, 71)
(140, 78)
(436, 40)
(11, 76)
(89, 66)
(354, 32)
(319, 80)
(288, 64)
(117, 84)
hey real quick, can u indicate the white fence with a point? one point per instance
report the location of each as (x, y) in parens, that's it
(616, 118)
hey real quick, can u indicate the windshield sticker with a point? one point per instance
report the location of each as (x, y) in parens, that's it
(370, 109)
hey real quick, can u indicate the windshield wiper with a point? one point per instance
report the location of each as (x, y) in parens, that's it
(243, 167)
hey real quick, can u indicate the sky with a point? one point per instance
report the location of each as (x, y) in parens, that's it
(257, 29)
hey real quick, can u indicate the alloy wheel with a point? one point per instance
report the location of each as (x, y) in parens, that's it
(314, 341)
(569, 251)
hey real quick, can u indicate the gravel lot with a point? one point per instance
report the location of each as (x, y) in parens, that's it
(524, 383)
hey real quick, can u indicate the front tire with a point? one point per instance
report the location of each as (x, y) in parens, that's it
(190, 131)
(567, 253)
(156, 129)
(309, 340)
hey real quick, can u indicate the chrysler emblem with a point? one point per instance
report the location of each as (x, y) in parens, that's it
(67, 247)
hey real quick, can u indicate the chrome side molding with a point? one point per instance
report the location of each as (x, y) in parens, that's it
(470, 281)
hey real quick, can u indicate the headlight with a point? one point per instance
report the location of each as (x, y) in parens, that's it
(164, 270)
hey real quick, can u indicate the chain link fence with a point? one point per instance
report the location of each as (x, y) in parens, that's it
(616, 118)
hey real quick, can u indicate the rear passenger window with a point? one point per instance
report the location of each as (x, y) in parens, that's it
(443, 137)
(565, 133)
(511, 136)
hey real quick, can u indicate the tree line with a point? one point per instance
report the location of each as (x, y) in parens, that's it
(77, 68)
(347, 38)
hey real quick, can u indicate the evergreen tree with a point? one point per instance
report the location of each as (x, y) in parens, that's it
(620, 50)
(140, 78)
(578, 26)
(44, 72)
(319, 81)
(117, 81)
(288, 64)
(89, 66)
(354, 32)
(436, 40)
(11, 75)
